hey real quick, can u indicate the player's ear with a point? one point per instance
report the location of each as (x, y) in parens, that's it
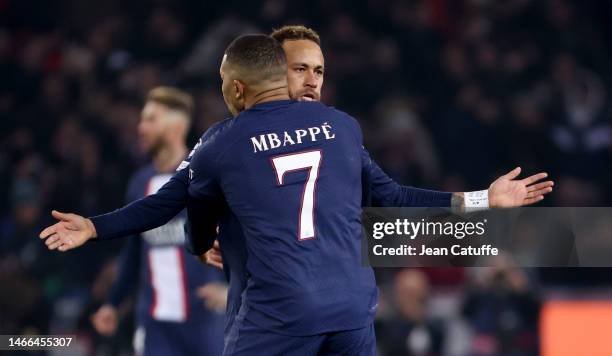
(239, 89)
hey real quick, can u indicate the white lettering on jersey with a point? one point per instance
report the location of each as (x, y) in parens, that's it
(260, 144)
(326, 130)
(272, 140)
(299, 134)
(288, 139)
(314, 131)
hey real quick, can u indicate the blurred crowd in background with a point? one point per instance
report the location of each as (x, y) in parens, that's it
(450, 94)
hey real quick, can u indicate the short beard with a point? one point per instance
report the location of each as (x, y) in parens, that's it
(155, 147)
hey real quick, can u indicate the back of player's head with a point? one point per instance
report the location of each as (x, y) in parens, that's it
(256, 58)
(295, 33)
(172, 98)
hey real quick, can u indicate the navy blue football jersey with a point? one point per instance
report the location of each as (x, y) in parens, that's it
(167, 277)
(291, 173)
(160, 207)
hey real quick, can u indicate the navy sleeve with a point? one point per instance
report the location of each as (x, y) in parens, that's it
(379, 190)
(382, 191)
(147, 213)
(127, 273)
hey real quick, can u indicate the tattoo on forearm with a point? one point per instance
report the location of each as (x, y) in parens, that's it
(458, 202)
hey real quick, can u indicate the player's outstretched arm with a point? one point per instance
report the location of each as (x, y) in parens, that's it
(70, 232)
(509, 192)
(505, 192)
(146, 213)
(379, 190)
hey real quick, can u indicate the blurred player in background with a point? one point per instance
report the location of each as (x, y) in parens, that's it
(180, 303)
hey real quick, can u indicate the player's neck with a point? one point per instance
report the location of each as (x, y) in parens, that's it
(169, 157)
(274, 94)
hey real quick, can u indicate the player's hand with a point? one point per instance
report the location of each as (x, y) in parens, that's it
(213, 257)
(70, 232)
(105, 320)
(508, 192)
(214, 295)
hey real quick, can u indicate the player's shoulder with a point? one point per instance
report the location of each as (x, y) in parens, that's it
(335, 115)
(315, 106)
(328, 110)
(344, 116)
(211, 135)
(215, 130)
(220, 126)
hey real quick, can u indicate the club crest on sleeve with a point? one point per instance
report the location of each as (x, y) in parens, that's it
(183, 165)
(195, 148)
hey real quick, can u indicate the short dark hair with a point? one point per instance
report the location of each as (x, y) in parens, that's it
(294, 33)
(173, 98)
(257, 54)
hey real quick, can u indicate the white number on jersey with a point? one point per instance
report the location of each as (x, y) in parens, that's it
(294, 162)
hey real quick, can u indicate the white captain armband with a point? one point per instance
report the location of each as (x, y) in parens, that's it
(478, 200)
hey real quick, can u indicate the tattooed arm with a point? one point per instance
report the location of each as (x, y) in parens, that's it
(458, 201)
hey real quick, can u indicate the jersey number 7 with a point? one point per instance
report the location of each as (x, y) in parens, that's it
(309, 160)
